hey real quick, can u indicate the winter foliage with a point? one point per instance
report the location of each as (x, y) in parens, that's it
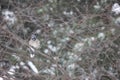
(59, 40)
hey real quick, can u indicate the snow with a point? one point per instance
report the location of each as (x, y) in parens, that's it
(71, 66)
(46, 51)
(32, 55)
(51, 23)
(12, 70)
(1, 78)
(102, 28)
(78, 46)
(71, 31)
(52, 48)
(9, 17)
(72, 56)
(116, 8)
(49, 42)
(32, 49)
(16, 57)
(65, 39)
(68, 13)
(38, 31)
(32, 66)
(97, 6)
(101, 36)
(22, 63)
(71, 13)
(50, 70)
(92, 38)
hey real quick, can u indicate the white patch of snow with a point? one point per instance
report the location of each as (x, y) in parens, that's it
(102, 28)
(78, 46)
(22, 63)
(49, 42)
(71, 12)
(89, 40)
(71, 66)
(51, 8)
(12, 70)
(87, 78)
(71, 31)
(54, 65)
(101, 36)
(56, 58)
(17, 67)
(72, 56)
(64, 12)
(1, 78)
(65, 39)
(49, 71)
(25, 67)
(116, 8)
(52, 48)
(32, 55)
(32, 49)
(32, 66)
(16, 57)
(92, 38)
(97, 6)
(46, 51)
(68, 13)
(51, 23)
(38, 31)
(79, 59)
(9, 17)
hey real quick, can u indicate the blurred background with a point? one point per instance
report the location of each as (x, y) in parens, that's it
(59, 40)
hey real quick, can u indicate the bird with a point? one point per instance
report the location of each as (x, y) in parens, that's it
(34, 42)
